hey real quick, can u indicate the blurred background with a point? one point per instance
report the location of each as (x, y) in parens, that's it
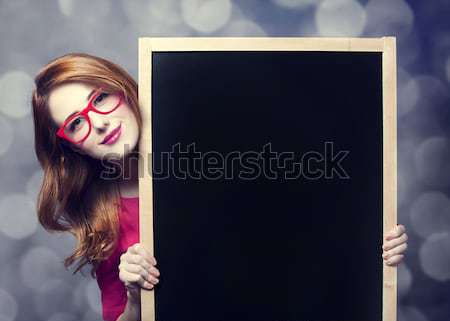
(33, 282)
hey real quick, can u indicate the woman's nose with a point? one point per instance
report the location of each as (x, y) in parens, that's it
(99, 122)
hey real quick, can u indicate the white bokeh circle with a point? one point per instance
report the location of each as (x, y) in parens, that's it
(66, 7)
(430, 213)
(15, 93)
(434, 256)
(432, 159)
(206, 16)
(340, 18)
(18, 216)
(389, 17)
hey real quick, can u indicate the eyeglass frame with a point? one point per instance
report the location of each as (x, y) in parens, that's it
(84, 112)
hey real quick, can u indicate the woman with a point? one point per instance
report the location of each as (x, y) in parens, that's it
(86, 115)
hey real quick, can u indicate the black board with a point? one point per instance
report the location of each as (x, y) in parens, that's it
(255, 247)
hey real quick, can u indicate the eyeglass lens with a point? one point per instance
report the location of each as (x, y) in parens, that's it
(78, 127)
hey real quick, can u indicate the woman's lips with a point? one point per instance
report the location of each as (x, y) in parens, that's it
(113, 136)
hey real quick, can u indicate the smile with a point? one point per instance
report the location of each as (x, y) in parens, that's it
(112, 137)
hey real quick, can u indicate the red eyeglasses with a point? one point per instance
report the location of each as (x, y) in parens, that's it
(78, 126)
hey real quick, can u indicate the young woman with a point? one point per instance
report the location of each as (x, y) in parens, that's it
(86, 115)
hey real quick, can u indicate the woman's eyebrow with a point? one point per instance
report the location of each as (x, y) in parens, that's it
(87, 99)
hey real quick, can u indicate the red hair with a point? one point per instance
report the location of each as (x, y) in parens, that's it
(73, 197)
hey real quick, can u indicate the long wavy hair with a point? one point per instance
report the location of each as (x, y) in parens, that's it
(73, 197)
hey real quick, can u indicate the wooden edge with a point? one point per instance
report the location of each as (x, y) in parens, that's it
(145, 178)
(389, 170)
(385, 45)
(266, 44)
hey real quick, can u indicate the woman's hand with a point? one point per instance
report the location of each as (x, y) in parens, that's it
(395, 245)
(137, 269)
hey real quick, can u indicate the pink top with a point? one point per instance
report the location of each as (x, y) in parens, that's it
(113, 292)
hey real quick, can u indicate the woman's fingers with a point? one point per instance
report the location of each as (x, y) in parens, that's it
(139, 260)
(396, 250)
(154, 271)
(129, 278)
(137, 269)
(395, 242)
(135, 259)
(395, 232)
(395, 260)
(139, 249)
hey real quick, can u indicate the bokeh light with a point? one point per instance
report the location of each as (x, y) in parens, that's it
(430, 213)
(340, 18)
(434, 255)
(66, 7)
(432, 159)
(206, 16)
(15, 92)
(389, 18)
(17, 216)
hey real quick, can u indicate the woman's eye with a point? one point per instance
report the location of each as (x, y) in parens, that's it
(76, 124)
(99, 99)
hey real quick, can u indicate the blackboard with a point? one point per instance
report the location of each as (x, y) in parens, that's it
(270, 172)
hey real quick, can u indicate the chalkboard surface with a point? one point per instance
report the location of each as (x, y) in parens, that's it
(267, 185)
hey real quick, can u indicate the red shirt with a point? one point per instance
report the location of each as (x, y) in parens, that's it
(113, 292)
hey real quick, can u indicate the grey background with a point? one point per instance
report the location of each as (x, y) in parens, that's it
(33, 282)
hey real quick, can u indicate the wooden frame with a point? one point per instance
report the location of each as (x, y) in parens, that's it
(385, 45)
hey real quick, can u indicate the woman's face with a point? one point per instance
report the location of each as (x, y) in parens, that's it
(74, 97)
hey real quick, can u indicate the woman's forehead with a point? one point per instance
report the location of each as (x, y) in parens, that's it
(68, 98)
